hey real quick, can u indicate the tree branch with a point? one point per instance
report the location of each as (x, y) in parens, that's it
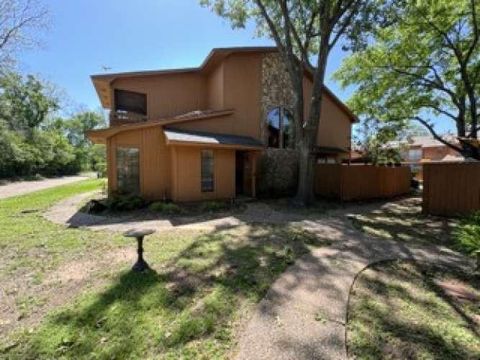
(435, 135)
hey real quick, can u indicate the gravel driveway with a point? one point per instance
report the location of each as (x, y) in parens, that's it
(24, 187)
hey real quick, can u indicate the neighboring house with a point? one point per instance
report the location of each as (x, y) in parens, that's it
(197, 133)
(421, 149)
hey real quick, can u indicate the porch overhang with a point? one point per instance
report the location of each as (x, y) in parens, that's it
(100, 136)
(181, 137)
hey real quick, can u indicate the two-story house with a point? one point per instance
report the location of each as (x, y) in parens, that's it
(196, 133)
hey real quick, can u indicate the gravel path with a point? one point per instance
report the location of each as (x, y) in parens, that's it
(24, 187)
(304, 313)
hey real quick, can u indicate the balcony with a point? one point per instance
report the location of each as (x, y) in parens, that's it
(125, 117)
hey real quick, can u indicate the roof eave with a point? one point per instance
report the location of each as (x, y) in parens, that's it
(109, 132)
(214, 145)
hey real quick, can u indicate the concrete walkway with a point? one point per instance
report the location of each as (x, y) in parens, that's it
(66, 213)
(24, 187)
(304, 313)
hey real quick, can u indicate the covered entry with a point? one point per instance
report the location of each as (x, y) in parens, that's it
(211, 166)
(245, 173)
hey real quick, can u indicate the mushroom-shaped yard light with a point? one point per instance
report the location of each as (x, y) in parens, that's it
(139, 234)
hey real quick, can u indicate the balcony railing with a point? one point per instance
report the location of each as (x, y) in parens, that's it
(125, 117)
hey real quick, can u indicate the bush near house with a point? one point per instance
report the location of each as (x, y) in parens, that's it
(125, 202)
(165, 208)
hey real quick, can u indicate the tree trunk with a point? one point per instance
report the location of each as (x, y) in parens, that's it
(305, 194)
(306, 175)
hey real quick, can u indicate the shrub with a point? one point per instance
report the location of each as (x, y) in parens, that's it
(125, 202)
(467, 234)
(213, 206)
(165, 208)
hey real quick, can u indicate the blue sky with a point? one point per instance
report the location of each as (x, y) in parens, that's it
(132, 35)
(138, 35)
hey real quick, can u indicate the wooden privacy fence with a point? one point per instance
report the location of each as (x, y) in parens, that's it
(451, 188)
(361, 182)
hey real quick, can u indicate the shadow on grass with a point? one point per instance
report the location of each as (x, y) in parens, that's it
(404, 314)
(186, 307)
(404, 221)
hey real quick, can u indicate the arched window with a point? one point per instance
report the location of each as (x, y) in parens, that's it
(280, 128)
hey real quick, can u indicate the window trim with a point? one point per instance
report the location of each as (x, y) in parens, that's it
(211, 188)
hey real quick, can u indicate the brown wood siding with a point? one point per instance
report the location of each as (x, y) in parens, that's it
(243, 73)
(186, 174)
(361, 182)
(334, 129)
(219, 125)
(215, 84)
(168, 94)
(241, 92)
(451, 189)
(154, 161)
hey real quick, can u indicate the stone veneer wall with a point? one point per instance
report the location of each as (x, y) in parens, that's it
(278, 168)
(277, 89)
(278, 173)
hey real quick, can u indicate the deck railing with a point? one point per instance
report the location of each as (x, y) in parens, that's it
(125, 117)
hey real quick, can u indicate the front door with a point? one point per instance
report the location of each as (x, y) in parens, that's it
(239, 172)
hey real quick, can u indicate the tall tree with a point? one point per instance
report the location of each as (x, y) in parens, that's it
(305, 31)
(20, 22)
(25, 102)
(422, 62)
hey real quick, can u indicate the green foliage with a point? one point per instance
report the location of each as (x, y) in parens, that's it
(372, 139)
(467, 234)
(32, 143)
(25, 103)
(422, 62)
(214, 206)
(165, 208)
(125, 202)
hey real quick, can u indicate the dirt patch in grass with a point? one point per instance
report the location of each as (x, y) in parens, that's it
(27, 298)
(404, 310)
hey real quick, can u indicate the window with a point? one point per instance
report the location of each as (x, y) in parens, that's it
(414, 154)
(280, 128)
(130, 101)
(128, 178)
(207, 182)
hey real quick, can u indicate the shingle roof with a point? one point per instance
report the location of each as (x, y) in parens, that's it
(421, 141)
(200, 137)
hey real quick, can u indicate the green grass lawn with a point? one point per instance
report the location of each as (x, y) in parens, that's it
(29, 243)
(401, 311)
(188, 306)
